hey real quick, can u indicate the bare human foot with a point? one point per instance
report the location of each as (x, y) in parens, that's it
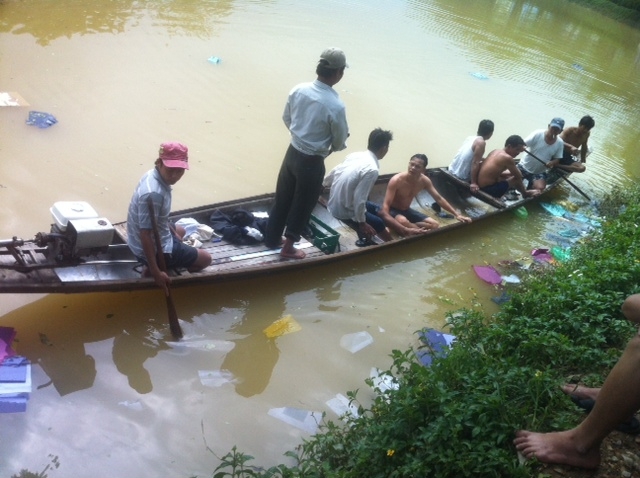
(556, 448)
(292, 253)
(580, 391)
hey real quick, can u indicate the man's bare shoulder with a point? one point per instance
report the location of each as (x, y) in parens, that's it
(496, 155)
(570, 133)
(425, 182)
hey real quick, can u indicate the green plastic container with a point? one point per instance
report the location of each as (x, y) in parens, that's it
(521, 212)
(324, 238)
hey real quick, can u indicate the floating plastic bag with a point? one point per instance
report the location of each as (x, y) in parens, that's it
(302, 419)
(541, 255)
(215, 378)
(436, 344)
(341, 406)
(382, 381)
(561, 254)
(40, 119)
(214, 60)
(283, 326)
(554, 209)
(356, 342)
(488, 274)
(521, 212)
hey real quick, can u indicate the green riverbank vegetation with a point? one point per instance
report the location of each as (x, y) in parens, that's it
(457, 418)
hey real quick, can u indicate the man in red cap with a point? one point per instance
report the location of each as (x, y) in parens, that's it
(170, 166)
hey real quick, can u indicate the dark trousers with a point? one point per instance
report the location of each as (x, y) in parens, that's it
(299, 185)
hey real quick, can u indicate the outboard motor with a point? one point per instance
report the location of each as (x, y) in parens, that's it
(77, 232)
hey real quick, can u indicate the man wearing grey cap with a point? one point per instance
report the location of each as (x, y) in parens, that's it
(546, 149)
(315, 116)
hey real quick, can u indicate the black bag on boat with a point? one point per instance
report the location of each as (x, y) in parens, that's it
(232, 227)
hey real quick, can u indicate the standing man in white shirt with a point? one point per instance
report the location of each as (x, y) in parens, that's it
(316, 118)
(351, 183)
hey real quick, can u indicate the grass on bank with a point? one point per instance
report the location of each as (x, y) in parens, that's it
(458, 417)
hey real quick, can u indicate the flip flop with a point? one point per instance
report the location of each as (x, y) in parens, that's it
(584, 403)
(630, 427)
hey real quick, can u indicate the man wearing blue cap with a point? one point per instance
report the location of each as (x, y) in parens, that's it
(546, 148)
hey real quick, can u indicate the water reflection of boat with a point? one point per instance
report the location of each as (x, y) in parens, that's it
(86, 253)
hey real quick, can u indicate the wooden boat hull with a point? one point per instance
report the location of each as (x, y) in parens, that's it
(117, 269)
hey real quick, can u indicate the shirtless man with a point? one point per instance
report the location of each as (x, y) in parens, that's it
(617, 400)
(575, 141)
(402, 189)
(491, 178)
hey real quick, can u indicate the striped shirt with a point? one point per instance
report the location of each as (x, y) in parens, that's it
(138, 217)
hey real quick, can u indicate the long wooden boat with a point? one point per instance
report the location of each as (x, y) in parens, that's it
(91, 254)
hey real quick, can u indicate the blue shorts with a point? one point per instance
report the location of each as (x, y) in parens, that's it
(182, 256)
(567, 159)
(531, 177)
(372, 217)
(412, 215)
(496, 190)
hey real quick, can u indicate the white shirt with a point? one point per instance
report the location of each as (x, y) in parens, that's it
(546, 152)
(350, 183)
(461, 164)
(316, 118)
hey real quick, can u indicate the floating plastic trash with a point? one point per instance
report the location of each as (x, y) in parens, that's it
(382, 381)
(541, 255)
(132, 404)
(341, 406)
(214, 60)
(213, 344)
(15, 375)
(488, 274)
(356, 342)
(215, 378)
(302, 419)
(521, 212)
(502, 298)
(479, 76)
(7, 334)
(554, 209)
(436, 344)
(283, 326)
(559, 240)
(561, 254)
(40, 119)
(578, 67)
(12, 99)
(511, 279)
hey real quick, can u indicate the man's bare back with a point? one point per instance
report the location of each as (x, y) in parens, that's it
(492, 168)
(500, 166)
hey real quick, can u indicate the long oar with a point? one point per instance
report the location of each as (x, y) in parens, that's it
(174, 325)
(561, 175)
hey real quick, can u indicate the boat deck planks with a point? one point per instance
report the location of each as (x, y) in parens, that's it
(118, 270)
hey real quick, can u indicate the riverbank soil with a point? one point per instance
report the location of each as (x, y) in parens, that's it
(620, 459)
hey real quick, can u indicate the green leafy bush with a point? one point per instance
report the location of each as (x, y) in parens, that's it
(458, 416)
